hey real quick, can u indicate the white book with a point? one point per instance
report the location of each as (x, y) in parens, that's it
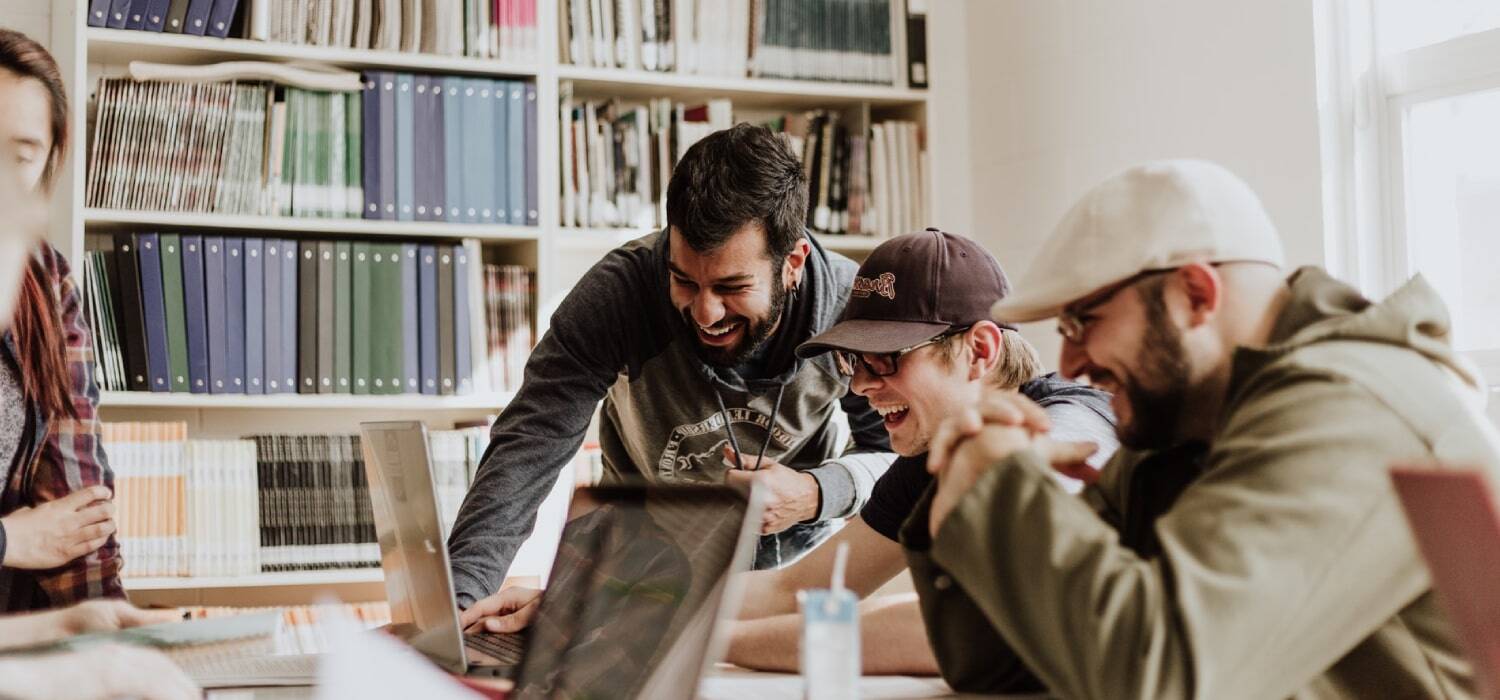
(566, 168)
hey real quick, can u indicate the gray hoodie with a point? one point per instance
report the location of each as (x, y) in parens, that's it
(617, 337)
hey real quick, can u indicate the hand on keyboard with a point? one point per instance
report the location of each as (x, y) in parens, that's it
(509, 610)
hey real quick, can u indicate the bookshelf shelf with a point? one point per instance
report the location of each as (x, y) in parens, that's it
(749, 92)
(361, 227)
(403, 402)
(119, 47)
(288, 578)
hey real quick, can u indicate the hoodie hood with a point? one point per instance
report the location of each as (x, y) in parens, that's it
(1323, 309)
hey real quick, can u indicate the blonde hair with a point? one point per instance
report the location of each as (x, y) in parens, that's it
(1019, 361)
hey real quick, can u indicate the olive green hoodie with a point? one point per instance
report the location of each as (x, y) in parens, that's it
(1285, 569)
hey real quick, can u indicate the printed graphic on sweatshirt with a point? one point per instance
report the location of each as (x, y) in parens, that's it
(695, 451)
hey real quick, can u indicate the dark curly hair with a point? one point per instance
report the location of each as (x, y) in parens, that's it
(741, 175)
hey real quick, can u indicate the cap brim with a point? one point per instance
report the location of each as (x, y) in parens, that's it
(1022, 308)
(870, 335)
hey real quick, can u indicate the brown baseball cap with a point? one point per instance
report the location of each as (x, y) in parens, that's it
(912, 288)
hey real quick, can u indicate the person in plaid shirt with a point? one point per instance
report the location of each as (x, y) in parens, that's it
(56, 518)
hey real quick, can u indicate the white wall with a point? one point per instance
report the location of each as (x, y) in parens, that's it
(30, 17)
(1063, 93)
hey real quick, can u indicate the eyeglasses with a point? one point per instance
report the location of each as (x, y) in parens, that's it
(1073, 324)
(884, 364)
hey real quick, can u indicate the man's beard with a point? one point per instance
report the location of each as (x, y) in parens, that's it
(755, 336)
(1155, 414)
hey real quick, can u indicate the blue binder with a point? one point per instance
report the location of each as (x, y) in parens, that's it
(515, 153)
(410, 359)
(533, 214)
(272, 311)
(98, 13)
(221, 17)
(478, 157)
(453, 152)
(427, 316)
(156, 15)
(196, 312)
(216, 299)
(463, 357)
(234, 314)
(423, 155)
(370, 145)
(153, 308)
(119, 12)
(405, 166)
(135, 19)
(197, 17)
(387, 145)
(492, 143)
(288, 316)
(436, 141)
(255, 317)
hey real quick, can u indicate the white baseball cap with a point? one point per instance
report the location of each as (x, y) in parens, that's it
(1155, 216)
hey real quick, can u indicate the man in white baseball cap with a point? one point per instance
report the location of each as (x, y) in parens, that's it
(1281, 566)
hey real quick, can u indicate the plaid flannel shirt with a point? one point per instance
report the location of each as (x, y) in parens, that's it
(65, 455)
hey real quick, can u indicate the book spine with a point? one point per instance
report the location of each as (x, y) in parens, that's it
(410, 352)
(234, 316)
(307, 317)
(325, 319)
(428, 315)
(195, 305)
(255, 316)
(342, 321)
(216, 307)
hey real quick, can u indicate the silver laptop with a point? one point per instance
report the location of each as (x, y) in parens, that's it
(641, 577)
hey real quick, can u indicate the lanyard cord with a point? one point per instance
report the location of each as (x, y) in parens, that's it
(734, 443)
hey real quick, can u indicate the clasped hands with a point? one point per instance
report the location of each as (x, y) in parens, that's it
(980, 437)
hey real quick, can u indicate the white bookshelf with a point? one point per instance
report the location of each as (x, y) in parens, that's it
(557, 254)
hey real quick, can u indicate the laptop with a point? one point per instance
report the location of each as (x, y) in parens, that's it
(1454, 515)
(640, 580)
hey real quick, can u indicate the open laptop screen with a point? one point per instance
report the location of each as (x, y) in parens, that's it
(637, 581)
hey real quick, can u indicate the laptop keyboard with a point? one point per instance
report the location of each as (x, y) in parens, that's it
(505, 648)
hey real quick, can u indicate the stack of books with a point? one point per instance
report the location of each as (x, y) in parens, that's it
(229, 315)
(835, 40)
(406, 148)
(262, 504)
(502, 29)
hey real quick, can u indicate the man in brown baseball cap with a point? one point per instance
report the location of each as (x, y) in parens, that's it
(917, 341)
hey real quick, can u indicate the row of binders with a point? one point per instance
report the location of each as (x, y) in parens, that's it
(405, 148)
(230, 315)
(836, 40)
(266, 503)
(499, 29)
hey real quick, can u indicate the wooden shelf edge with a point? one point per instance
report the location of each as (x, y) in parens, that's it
(413, 402)
(288, 578)
(368, 227)
(770, 87)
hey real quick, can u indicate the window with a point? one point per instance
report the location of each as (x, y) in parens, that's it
(1410, 91)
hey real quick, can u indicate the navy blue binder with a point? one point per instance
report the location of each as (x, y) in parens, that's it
(196, 22)
(370, 145)
(410, 359)
(289, 316)
(427, 316)
(98, 13)
(533, 214)
(197, 321)
(405, 159)
(255, 317)
(463, 356)
(234, 314)
(221, 17)
(272, 311)
(119, 13)
(216, 300)
(515, 153)
(156, 15)
(154, 311)
(135, 19)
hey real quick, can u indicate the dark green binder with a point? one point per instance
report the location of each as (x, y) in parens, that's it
(385, 318)
(342, 309)
(359, 372)
(171, 286)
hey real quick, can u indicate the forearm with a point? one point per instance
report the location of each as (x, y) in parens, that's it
(844, 483)
(32, 628)
(766, 594)
(892, 640)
